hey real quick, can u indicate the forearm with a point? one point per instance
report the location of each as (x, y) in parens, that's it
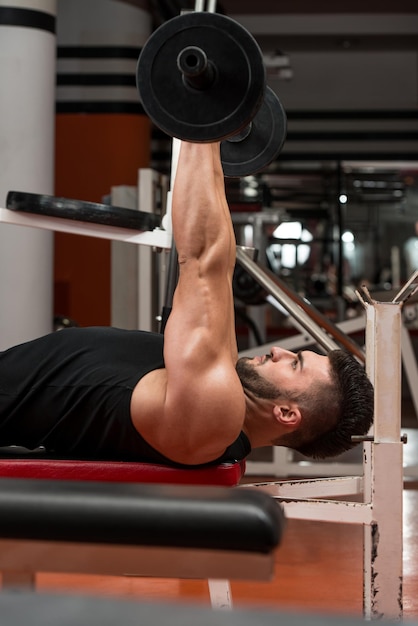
(201, 220)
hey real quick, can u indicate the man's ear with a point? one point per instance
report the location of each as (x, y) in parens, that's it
(287, 414)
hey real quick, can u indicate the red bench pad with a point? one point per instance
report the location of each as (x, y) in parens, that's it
(225, 474)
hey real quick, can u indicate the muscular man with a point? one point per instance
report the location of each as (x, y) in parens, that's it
(185, 398)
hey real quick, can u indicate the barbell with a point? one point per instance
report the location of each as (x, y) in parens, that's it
(201, 78)
(80, 210)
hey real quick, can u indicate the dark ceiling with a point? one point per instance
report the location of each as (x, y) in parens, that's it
(164, 9)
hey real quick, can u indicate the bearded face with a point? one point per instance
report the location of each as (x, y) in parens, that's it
(253, 382)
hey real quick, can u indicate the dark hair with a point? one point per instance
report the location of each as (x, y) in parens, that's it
(349, 397)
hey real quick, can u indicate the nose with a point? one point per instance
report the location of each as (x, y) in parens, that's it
(277, 354)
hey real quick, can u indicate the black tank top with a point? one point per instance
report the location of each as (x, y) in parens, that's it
(70, 392)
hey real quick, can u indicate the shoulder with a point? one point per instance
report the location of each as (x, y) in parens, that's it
(195, 427)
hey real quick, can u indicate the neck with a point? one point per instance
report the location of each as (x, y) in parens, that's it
(258, 422)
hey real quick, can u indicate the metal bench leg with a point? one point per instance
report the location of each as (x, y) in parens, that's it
(220, 594)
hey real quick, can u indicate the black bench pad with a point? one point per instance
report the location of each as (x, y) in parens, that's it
(238, 519)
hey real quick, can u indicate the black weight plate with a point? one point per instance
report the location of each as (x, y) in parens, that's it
(261, 145)
(231, 100)
(81, 211)
(246, 288)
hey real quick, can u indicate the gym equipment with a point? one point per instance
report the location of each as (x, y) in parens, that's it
(80, 210)
(201, 77)
(327, 334)
(15, 463)
(158, 238)
(259, 143)
(246, 288)
(164, 531)
(155, 515)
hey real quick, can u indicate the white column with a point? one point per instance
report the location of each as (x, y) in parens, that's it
(27, 113)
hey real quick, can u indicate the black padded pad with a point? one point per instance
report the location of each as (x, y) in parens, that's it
(81, 211)
(242, 519)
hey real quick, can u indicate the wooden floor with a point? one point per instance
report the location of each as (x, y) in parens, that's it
(318, 570)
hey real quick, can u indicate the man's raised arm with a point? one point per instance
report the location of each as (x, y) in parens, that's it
(204, 407)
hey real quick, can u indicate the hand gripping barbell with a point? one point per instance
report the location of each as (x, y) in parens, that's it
(201, 78)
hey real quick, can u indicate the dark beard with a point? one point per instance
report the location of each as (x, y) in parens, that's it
(253, 382)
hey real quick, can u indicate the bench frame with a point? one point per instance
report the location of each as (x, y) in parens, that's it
(21, 559)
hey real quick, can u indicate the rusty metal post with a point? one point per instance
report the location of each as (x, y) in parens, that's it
(383, 466)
